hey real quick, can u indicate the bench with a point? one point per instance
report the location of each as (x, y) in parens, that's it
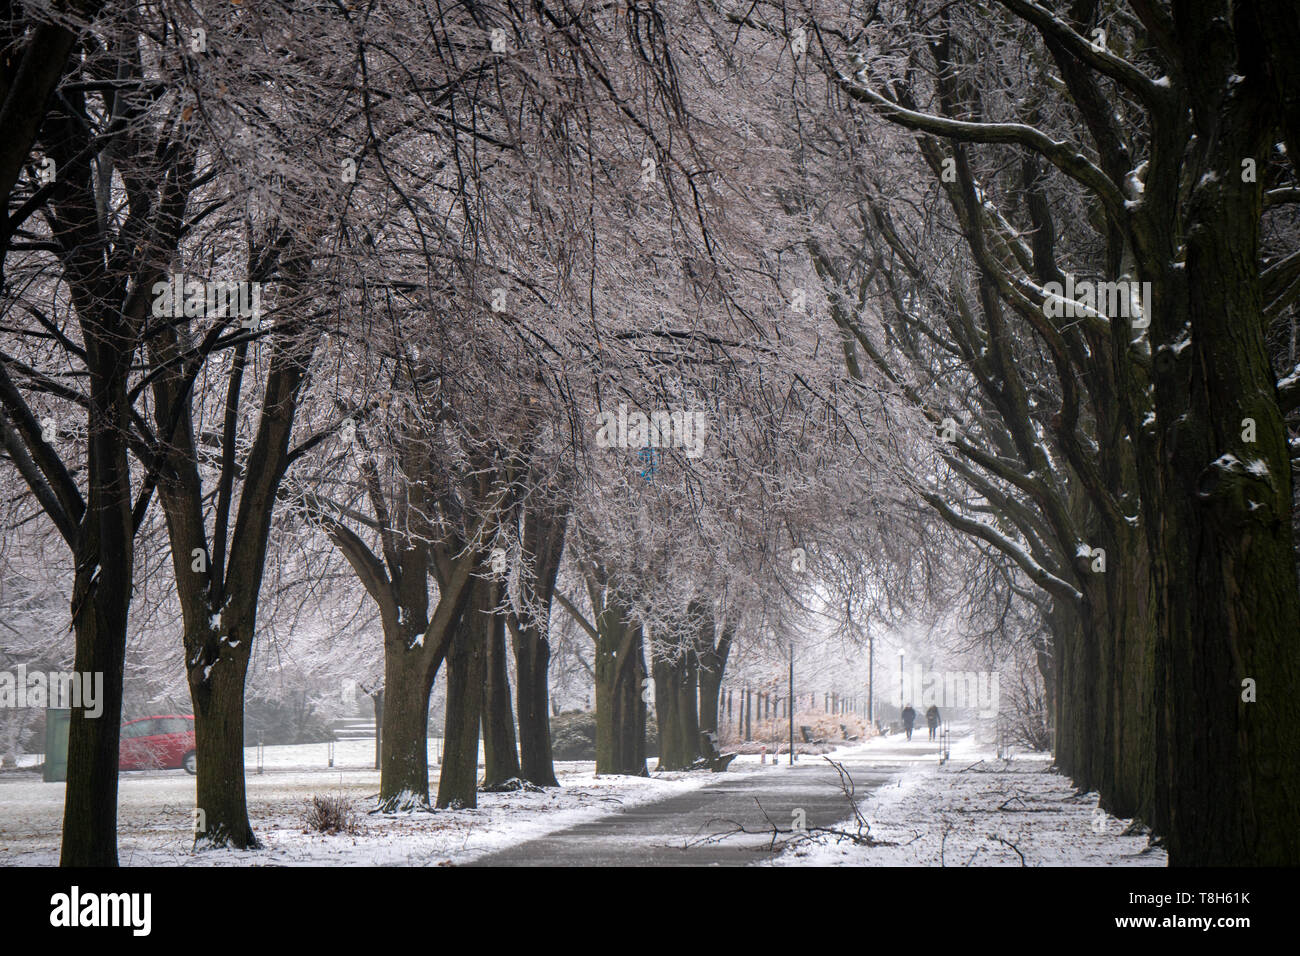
(807, 734)
(714, 759)
(845, 731)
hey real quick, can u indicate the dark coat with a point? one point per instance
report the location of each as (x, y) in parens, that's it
(932, 716)
(909, 716)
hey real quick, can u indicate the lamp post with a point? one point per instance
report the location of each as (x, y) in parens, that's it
(901, 690)
(790, 706)
(871, 666)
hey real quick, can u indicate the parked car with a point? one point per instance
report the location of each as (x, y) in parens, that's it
(158, 743)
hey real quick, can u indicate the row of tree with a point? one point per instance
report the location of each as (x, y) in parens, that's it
(372, 274)
(695, 325)
(1079, 261)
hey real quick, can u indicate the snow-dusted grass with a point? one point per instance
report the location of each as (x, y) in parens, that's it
(155, 813)
(978, 810)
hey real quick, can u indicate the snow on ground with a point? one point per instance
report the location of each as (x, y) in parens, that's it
(155, 816)
(975, 810)
(978, 810)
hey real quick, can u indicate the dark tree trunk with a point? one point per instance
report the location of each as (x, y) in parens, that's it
(414, 648)
(634, 728)
(102, 587)
(675, 707)
(1046, 665)
(608, 707)
(712, 656)
(1131, 665)
(90, 802)
(1217, 492)
(1232, 610)
(543, 537)
(218, 662)
(532, 656)
(1067, 639)
(34, 72)
(620, 708)
(500, 753)
(466, 672)
(710, 694)
(218, 700)
(404, 731)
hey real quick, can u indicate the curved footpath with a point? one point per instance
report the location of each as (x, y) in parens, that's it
(698, 828)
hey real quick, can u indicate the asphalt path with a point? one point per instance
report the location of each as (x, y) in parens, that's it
(729, 821)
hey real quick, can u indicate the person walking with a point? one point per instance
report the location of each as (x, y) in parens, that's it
(932, 719)
(909, 718)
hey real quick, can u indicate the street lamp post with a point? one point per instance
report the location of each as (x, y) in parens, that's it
(901, 690)
(790, 709)
(871, 665)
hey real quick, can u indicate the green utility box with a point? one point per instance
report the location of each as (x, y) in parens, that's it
(57, 720)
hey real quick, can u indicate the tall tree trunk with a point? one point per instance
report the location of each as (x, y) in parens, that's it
(1219, 497)
(675, 706)
(1132, 668)
(90, 802)
(1233, 611)
(607, 703)
(710, 696)
(466, 672)
(218, 698)
(712, 657)
(500, 754)
(404, 730)
(532, 656)
(620, 708)
(1071, 719)
(102, 586)
(414, 648)
(544, 531)
(634, 725)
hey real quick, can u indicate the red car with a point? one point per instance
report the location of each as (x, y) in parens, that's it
(158, 743)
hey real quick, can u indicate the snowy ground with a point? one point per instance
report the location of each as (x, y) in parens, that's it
(975, 810)
(155, 815)
(978, 810)
(155, 821)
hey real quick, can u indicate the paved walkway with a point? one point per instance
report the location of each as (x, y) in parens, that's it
(684, 830)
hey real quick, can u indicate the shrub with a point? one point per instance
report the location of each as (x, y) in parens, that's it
(573, 735)
(332, 814)
(290, 721)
